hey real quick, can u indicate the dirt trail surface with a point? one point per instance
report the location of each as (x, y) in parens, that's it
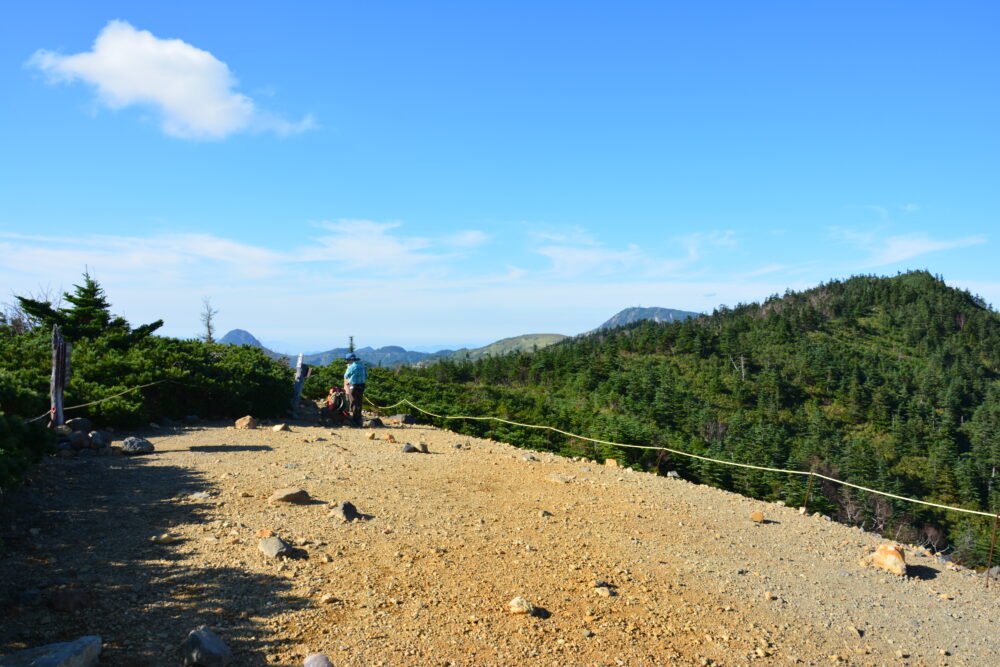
(623, 568)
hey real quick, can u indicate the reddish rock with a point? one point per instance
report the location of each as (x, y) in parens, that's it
(291, 495)
(757, 516)
(889, 557)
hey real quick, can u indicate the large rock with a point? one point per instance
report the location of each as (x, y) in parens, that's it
(136, 445)
(290, 495)
(889, 557)
(204, 648)
(84, 652)
(345, 511)
(246, 422)
(317, 660)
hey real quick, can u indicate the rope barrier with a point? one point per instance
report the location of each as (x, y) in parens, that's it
(688, 454)
(100, 400)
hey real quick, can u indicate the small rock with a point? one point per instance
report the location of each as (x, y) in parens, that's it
(280, 427)
(246, 422)
(611, 463)
(557, 478)
(205, 649)
(374, 422)
(529, 457)
(135, 445)
(265, 532)
(520, 606)
(757, 516)
(768, 595)
(290, 495)
(328, 598)
(84, 652)
(371, 435)
(544, 513)
(603, 591)
(888, 557)
(345, 511)
(673, 474)
(317, 660)
(409, 449)
(803, 510)
(274, 547)
(423, 448)
(165, 538)
(390, 438)
(588, 633)
(402, 419)
(200, 495)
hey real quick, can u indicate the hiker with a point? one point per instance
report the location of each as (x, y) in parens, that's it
(354, 384)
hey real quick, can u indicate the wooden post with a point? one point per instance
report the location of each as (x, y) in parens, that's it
(60, 376)
(993, 543)
(300, 379)
(809, 487)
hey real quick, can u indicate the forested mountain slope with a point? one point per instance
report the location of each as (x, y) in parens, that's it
(885, 382)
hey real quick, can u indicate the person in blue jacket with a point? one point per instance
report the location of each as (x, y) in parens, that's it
(355, 378)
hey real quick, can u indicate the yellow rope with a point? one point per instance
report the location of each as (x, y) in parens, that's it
(688, 454)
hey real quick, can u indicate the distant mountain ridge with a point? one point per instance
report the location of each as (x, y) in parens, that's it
(636, 313)
(392, 356)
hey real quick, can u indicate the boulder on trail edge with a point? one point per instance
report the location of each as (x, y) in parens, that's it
(246, 422)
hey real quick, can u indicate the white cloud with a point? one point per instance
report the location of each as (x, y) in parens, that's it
(893, 249)
(694, 244)
(193, 91)
(468, 238)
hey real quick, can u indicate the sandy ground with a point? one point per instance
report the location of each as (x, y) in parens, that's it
(623, 568)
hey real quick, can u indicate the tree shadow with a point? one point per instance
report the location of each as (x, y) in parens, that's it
(85, 525)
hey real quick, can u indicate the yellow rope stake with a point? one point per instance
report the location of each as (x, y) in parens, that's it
(688, 454)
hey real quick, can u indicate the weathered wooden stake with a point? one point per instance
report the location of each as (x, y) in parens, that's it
(993, 543)
(60, 376)
(809, 487)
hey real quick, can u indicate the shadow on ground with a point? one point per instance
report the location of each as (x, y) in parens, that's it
(85, 525)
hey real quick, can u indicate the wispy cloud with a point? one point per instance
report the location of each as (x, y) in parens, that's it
(192, 90)
(885, 250)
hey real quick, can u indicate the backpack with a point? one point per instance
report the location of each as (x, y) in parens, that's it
(338, 405)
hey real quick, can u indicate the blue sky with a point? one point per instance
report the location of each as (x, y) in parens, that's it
(443, 174)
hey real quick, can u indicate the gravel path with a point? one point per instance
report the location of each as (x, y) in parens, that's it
(623, 568)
